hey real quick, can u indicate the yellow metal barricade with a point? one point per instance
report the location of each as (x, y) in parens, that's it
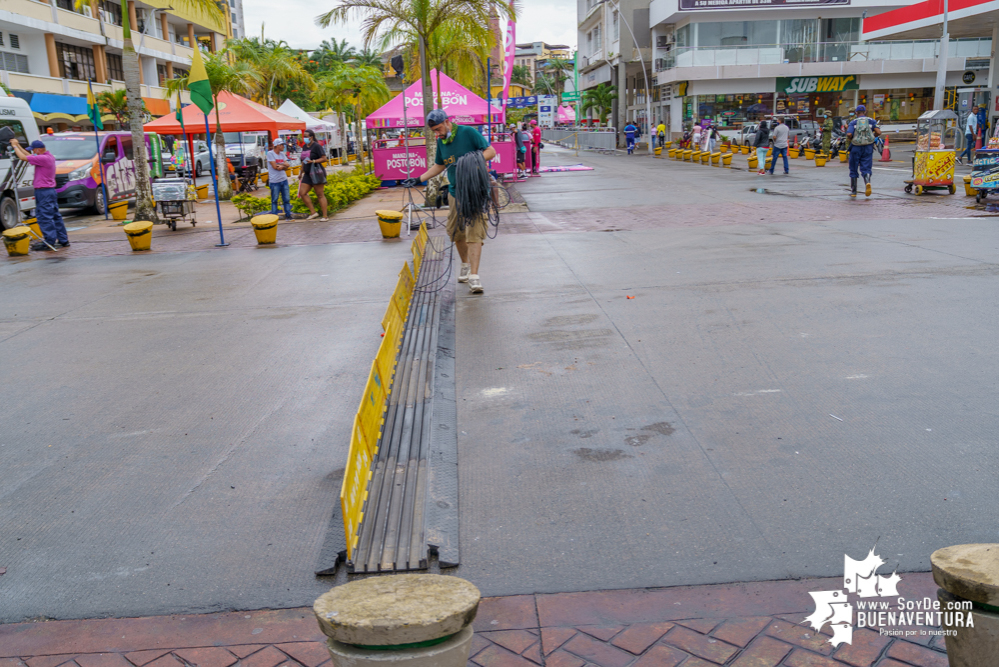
(372, 408)
(354, 490)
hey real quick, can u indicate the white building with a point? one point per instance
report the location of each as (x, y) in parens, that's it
(719, 59)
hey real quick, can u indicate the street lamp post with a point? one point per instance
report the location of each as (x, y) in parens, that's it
(938, 93)
(648, 94)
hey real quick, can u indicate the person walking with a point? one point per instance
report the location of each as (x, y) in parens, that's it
(761, 142)
(313, 175)
(277, 178)
(629, 135)
(521, 139)
(695, 137)
(827, 132)
(535, 148)
(861, 133)
(970, 130)
(46, 200)
(780, 136)
(713, 145)
(661, 134)
(453, 142)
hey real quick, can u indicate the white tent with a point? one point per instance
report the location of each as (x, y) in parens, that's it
(330, 129)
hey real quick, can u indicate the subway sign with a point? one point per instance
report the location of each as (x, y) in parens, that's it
(797, 85)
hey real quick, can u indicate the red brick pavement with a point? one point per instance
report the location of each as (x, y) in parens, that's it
(738, 625)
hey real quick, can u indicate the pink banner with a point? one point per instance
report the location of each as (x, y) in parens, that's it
(511, 52)
(390, 163)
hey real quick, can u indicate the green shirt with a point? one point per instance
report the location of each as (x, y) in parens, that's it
(465, 141)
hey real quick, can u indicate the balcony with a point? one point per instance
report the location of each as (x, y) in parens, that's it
(833, 52)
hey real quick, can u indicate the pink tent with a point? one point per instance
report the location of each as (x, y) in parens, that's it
(566, 114)
(461, 104)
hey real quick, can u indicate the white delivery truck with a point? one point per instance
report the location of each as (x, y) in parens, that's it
(18, 193)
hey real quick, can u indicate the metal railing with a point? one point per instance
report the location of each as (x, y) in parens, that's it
(604, 139)
(775, 54)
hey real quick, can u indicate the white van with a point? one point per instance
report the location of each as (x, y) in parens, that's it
(15, 114)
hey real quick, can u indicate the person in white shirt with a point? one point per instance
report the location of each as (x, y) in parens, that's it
(970, 130)
(277, 178)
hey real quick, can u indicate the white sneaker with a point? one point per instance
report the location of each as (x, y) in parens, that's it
(474, 284)
(314, 216)
(463, 274)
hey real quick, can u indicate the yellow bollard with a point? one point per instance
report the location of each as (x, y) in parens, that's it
(671, 153)
(17, 240)
(119, 210)
(265, 228)
(695, 155)
(745, 150)
(727, 159)
(809, 154)
(140, 234)
(716, 159)
(843, 156)
(659, 151)
(770, 161)
(705, 157)
(968, 190)
(820, 160)
(33, 223)
(390, 222)
(754, 163)
(792, 153)
(203, 191)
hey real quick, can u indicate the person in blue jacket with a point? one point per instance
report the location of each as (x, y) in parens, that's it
(629, 132)
(861, 133)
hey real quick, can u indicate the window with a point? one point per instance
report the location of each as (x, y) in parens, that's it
(161, 73)
(115, 69)
(75, 62)
(65, 4)
(737, 33)
(1, 39)
(616, 34)
(180, 73)
(14, 62)
(15, 41)
(112, 12)
(683, 37)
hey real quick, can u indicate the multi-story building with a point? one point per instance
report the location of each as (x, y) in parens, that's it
(49, 51)
(534, 55)
(724, 61)
(616, 54)
(236, 18)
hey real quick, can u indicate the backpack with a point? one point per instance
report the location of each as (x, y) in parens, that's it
(863, 133)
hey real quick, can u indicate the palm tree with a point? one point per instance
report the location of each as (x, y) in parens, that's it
(521, 75)
(116, 104)
(368, 57)
(278, 66)
(329, 53)
(552, 77)
(211, 10)
(422, 18)
(599, 99)
(360, 90)
(225, 74)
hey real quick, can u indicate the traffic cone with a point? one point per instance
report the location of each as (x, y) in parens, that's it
(885, 155)
(978, 143)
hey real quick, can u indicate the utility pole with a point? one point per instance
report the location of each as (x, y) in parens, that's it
(938, 93)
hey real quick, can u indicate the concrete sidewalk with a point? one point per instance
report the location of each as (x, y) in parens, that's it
(741, 625)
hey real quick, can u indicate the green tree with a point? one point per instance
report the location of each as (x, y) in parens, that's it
(211, 10)
(361, 89)
(422, 18)
(368, 57)
(225, 74)
(551, 78)
(599, 99)
(278, 65)
(330, 52)
(521, 75)
(115, 103)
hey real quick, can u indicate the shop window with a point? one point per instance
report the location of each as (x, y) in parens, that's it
(76, 62)
(737, 33)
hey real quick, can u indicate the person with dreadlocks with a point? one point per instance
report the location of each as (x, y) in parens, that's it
(468, 185)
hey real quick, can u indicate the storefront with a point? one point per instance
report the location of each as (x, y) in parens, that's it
(727, 111)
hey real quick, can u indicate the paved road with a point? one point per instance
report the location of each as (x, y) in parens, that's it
(175, 425)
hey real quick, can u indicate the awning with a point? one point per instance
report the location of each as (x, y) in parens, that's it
(461, 105)
(46, 103)
(237, 114)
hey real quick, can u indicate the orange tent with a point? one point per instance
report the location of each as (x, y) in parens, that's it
(236, 113)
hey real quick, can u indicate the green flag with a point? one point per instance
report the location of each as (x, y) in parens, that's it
(197, 83)
(180, 113)
(93, 109)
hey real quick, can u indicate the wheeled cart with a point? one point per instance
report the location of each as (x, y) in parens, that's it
(934, 159)
(175, 199)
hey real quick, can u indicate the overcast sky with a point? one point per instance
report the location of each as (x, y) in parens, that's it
(552, 21)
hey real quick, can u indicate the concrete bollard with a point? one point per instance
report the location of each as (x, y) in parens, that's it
(411, 620)
(968, 575)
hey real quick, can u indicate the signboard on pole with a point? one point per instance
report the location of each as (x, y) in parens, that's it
(546, 110)
(570, 97)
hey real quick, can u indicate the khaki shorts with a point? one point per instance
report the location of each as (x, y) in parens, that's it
(473, 233)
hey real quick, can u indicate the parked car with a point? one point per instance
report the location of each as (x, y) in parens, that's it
(178, 160)
(17, 115)
(746, 134)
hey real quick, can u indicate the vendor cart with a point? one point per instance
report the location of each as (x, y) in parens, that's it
(175, 200)
(985, 172)
(933, 162)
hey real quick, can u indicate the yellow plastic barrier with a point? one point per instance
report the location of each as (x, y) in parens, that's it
(820, 160)
(354, 490)
(390, 223)
(119, 210)
(843, 156)
(754, 162)
(372, 407)
(417, 261)
(716, 159)
(407, 277)
(968, 190)
(727, 159)
(745, 150)
(400, 297)
(265, 228)
(705, 157)
(809, 154)
(387, 352)
(671, 153)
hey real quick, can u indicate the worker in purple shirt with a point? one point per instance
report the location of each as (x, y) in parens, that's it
(46, 200)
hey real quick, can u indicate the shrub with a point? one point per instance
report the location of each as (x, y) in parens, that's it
(249, 205)
(342, 189)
